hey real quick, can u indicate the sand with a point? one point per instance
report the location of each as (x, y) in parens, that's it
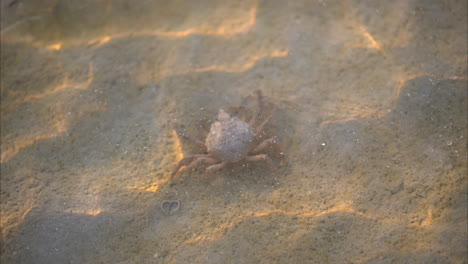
(371, 101)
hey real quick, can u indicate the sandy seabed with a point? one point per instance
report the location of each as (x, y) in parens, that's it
(371, 101)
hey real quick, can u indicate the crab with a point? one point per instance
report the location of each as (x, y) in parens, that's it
(230, 140)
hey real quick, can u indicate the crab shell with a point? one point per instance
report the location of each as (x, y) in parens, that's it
(229, 139)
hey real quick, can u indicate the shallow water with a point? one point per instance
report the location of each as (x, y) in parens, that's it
(371, 100)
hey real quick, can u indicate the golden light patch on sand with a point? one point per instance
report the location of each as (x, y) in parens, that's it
(56, 127)
(87, 212)
(177, 145)
(154, 186)
(350, 112)
(239, 67)
(403, 80)
(371, 43)
(151, 187)
(9, 222)
(222, 229)
(429, 220)
(360, 37)
(100, 41)
(56, 46)
(247, 65)
(228, 27)
(59, 126)
(65, 85)
(26, 141)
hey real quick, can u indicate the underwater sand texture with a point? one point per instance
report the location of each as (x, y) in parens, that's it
(372, 115)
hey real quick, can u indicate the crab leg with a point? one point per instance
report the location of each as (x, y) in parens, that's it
(259, 110)
(264, 144)
(261, 127)
(265, 158)
(186, 161)
(197, 162)
(190, 138)
(238, 110)
(215, 167)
